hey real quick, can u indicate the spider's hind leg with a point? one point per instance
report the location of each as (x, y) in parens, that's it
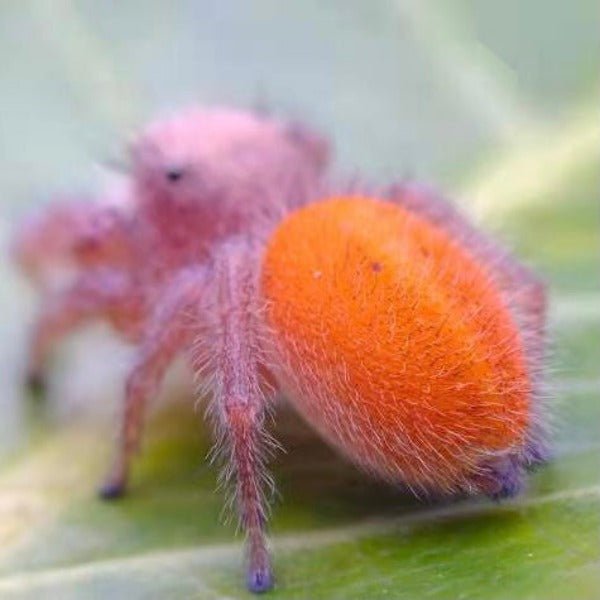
(502, 477)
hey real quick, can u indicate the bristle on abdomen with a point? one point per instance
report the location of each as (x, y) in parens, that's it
(395, 343)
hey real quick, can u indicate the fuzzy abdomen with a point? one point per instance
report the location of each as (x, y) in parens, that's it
(394, 343)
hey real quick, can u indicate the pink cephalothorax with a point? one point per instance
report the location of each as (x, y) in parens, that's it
(410, 340)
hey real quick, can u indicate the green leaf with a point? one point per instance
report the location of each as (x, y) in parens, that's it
(407, 87)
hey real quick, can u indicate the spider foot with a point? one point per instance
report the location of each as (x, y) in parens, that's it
(112, 490)
(259, 580)
(502, 478)
(114, 487)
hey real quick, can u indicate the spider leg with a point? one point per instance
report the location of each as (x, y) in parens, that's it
(169, 333)
(98, 293)
(234, 363)
(501, 478)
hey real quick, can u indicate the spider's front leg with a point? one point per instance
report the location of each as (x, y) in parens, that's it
(101, 293)
(213, 315)
(235, 365)
(169, 332)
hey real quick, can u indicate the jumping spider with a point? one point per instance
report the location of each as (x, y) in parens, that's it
(407, 338)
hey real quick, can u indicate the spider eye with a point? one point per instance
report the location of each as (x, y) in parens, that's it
(174, 175)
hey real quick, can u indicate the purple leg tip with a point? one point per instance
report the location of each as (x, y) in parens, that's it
(112, 490)
(510, 485)
(503, 478)
(259, 580)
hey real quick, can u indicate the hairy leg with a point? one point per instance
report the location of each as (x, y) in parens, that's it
(169, 332)
(234, 362)
(225, 349)
(101, 293)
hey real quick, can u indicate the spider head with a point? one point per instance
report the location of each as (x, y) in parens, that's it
(221, 163)
(171, 160)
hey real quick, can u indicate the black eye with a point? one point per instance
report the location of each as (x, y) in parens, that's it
(174, 175)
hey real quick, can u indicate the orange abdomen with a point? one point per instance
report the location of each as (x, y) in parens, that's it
(394, 342)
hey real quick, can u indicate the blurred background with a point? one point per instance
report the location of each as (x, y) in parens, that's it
(494, 102)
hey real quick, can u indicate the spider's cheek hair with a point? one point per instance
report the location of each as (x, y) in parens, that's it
(394, 342)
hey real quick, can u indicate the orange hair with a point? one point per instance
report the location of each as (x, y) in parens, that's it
(394, 342)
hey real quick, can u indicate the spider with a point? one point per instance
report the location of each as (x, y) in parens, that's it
(411, 341)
